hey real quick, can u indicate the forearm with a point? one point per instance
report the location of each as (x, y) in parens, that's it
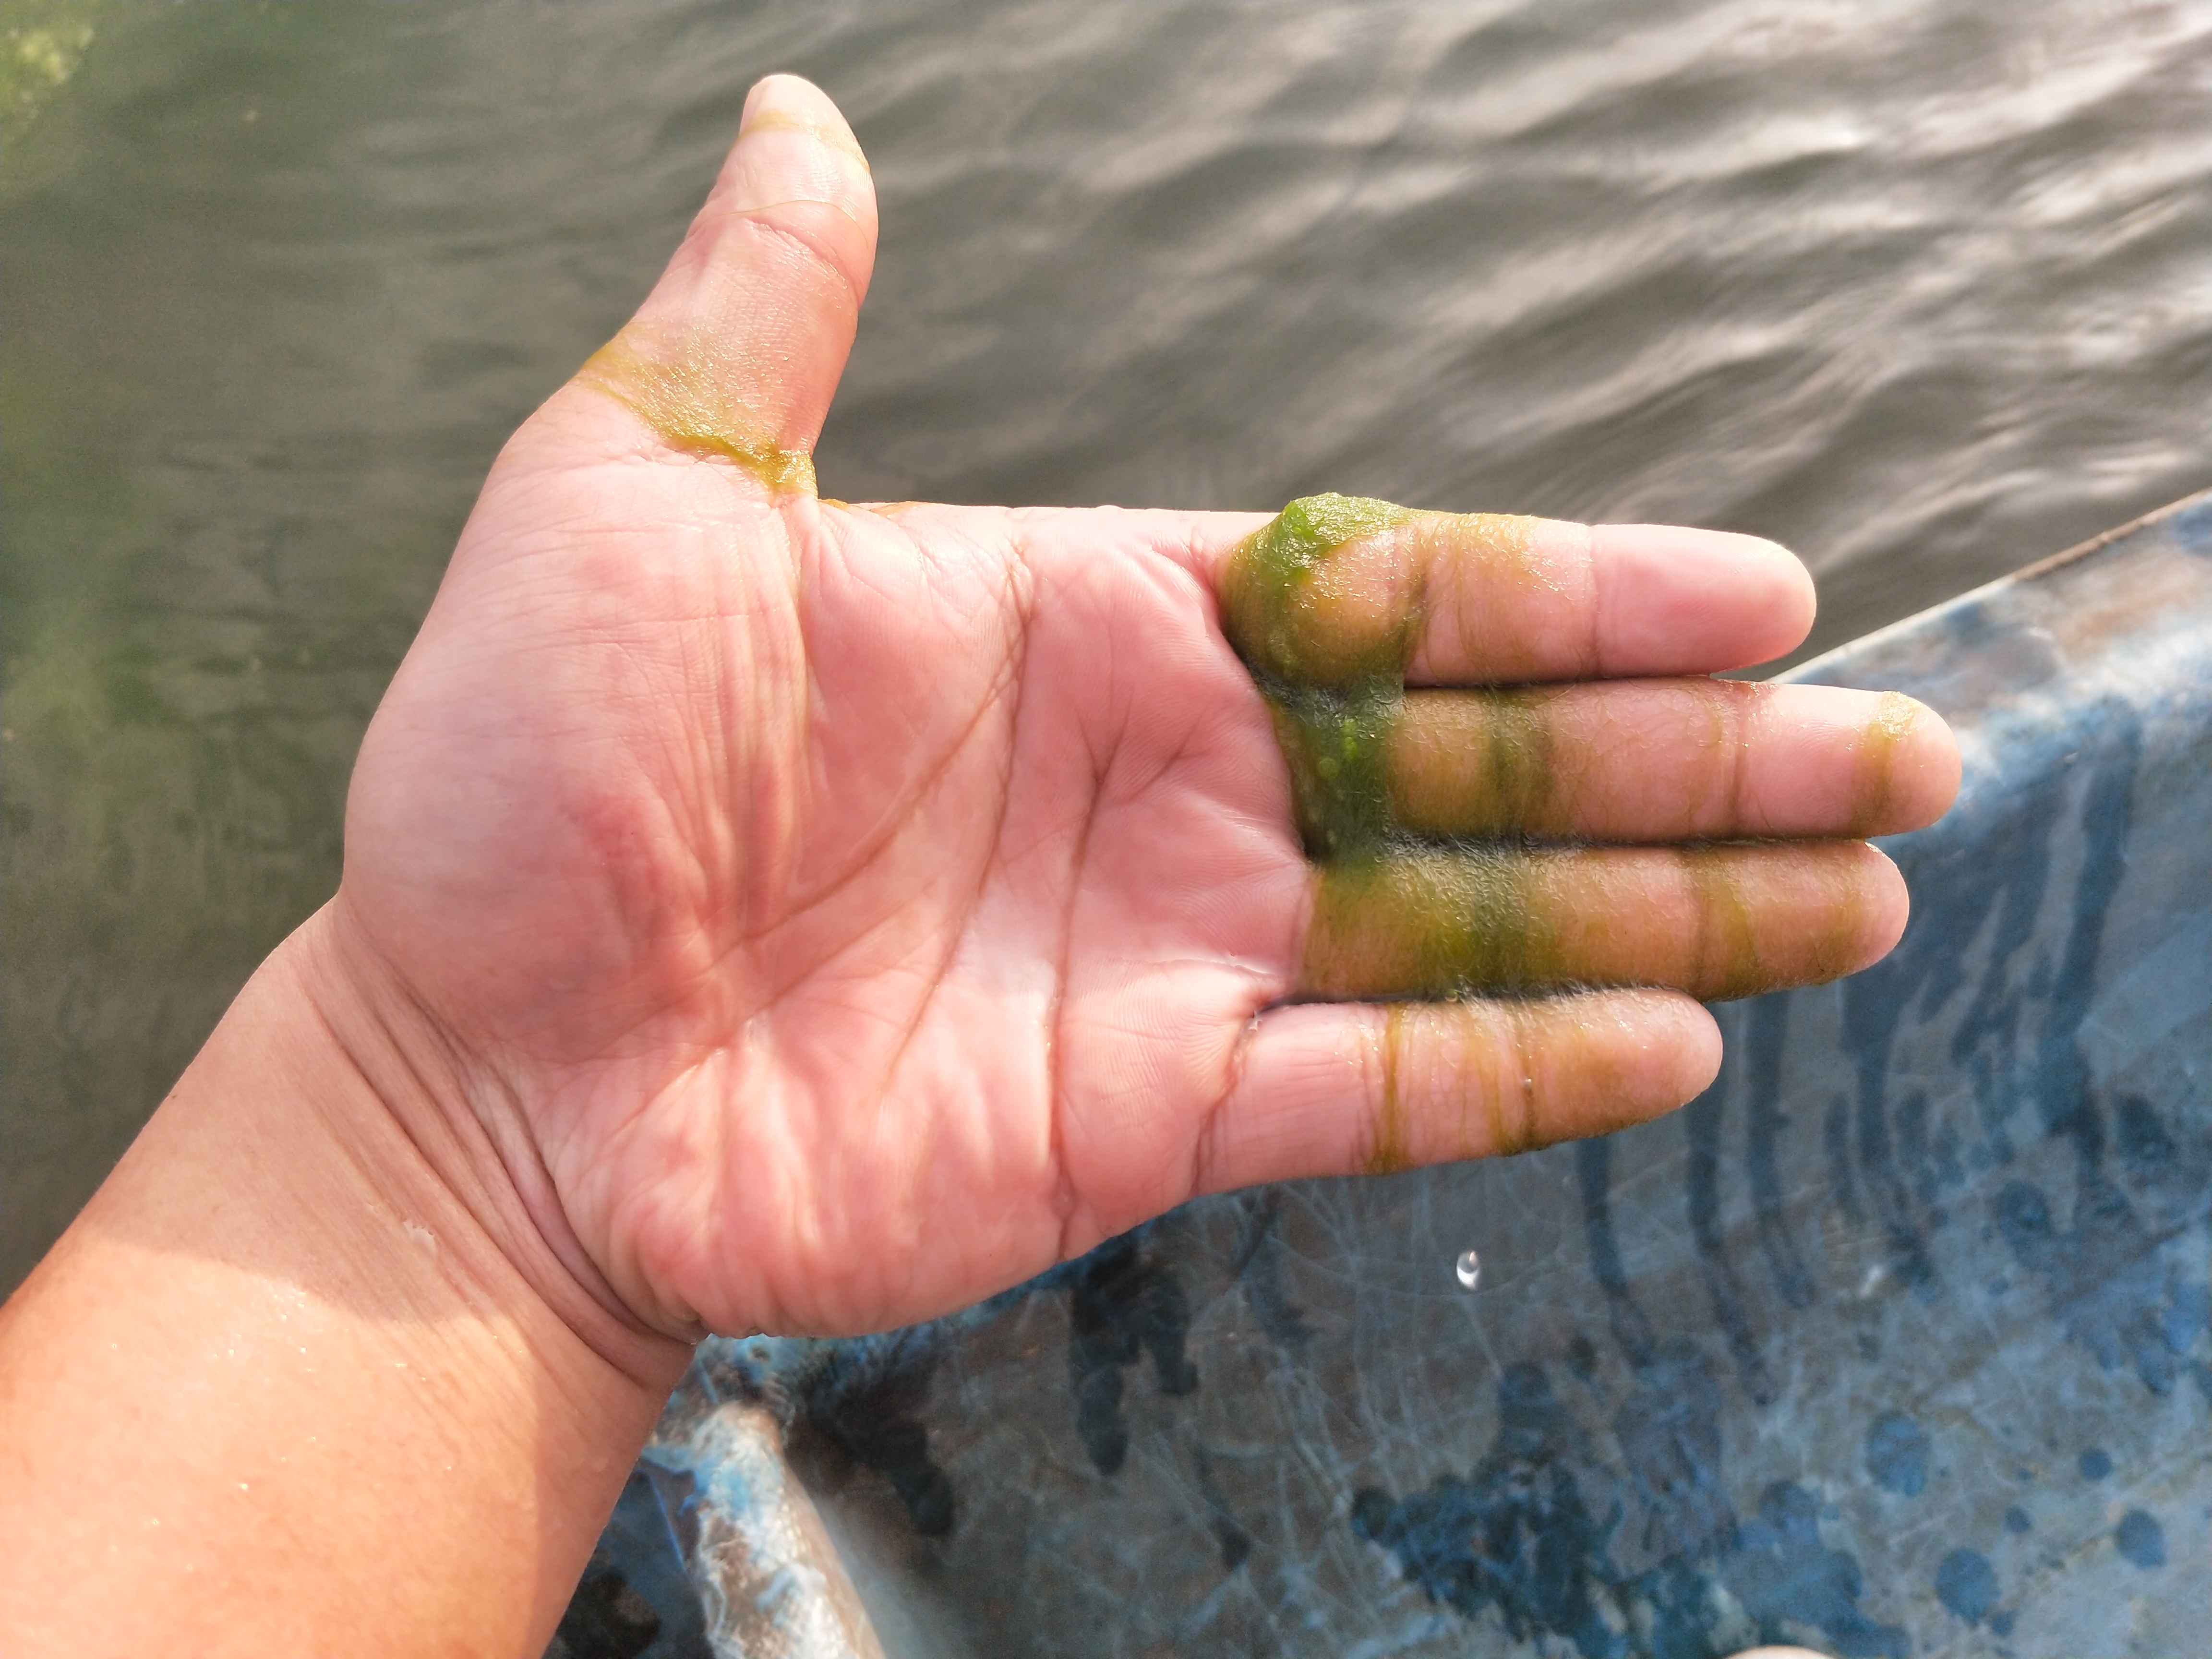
(284, 1387)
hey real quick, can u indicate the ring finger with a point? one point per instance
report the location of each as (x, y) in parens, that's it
(1719, 922)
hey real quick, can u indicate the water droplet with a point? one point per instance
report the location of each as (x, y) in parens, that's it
(1469, 1269)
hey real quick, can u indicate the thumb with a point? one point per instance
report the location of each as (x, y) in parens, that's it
(737, 350)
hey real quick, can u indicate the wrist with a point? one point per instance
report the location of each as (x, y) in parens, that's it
(303, 1377)
(421, 1107)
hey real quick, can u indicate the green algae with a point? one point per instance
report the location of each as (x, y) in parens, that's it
(1375, 764)
(1474, 764)
(1463, 920)
(1525, 1135)
(1327, 638)
(1417, 811)
(1725, 960)
(41, 44)
(1329, 655)
(1389, 1153)
(683, 397)
(1337, 747)
(829, 135)
(1875, 761)
(1436, 924)
(1324, 605)
(1489, 1103)
(1292, 606)
(1724, 957)
(1836, 951)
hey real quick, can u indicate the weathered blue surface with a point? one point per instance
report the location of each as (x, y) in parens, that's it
(1895, 1342)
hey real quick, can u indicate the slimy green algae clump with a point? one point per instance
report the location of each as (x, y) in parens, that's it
(1323, 607)
(1302, 609)
(1327, 635)
(1336, 747)
(1431, 925)
(1415, 815)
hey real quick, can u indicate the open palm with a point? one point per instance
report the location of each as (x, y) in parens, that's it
(830, 914)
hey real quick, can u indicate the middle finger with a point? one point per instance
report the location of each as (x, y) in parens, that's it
(1663, 760)
(1630, 761)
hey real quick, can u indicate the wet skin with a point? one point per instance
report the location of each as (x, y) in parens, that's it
(1328, 604)
(764, 913)
(1422, 810)
(853, 909)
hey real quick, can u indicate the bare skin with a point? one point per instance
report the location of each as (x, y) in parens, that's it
(764, 912)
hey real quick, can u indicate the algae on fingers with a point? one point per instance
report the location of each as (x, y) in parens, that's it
(1489, 1077)
(680, 395)
(1475, 763)
(1325, 605)
(1299, 616)
(1717, 920)
(1425, 815)
(1338, 747)
(1894, 717)
(1327, 645)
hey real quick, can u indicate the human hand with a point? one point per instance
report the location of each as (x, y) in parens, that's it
(811, 917)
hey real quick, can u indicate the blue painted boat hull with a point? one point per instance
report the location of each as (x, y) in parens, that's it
(1894, 1342)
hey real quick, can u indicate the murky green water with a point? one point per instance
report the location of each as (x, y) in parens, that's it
(1917, 288)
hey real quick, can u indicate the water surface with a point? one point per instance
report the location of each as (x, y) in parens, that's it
(1919, 289)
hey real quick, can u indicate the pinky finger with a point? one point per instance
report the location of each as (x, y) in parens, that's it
(1362, 1088)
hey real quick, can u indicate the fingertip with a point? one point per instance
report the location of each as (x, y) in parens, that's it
(1777, 596)
(790, 103)
(792, 94)
(1674, 600)
(1897, 907)
(794, 103)
(1881, 905)
(1694, 1041)
(794, 150)
(1677, 1048)
(1797, 600)
(1927, 769)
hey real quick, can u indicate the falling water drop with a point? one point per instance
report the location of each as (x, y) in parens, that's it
(1470, 1269)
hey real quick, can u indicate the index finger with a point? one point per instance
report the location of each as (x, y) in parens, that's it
(1335, 590)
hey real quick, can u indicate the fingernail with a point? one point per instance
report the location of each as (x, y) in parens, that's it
(785, 103)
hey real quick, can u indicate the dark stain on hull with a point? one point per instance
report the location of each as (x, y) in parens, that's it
(862, 1404)
(1764, 1028)
(1121, 1305)
(1519, 1535)
(1702, 1119)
